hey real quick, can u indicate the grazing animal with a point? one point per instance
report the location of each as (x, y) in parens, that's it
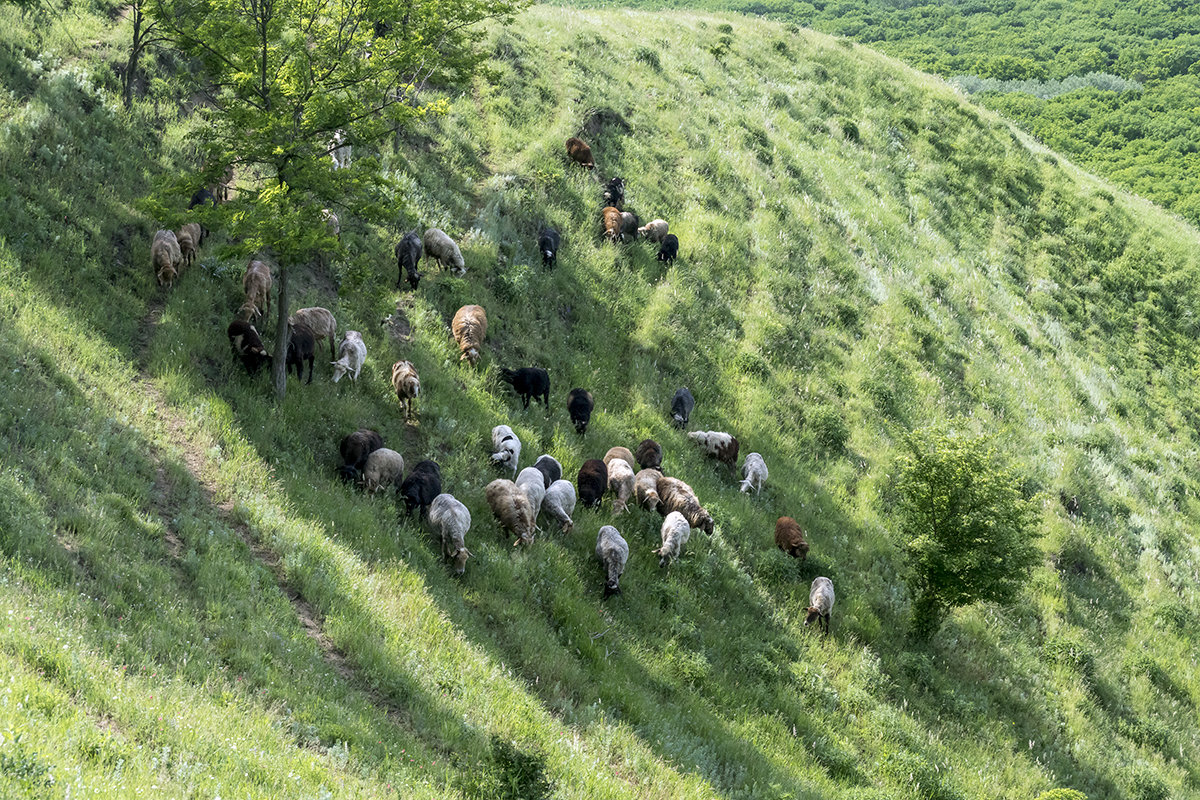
(649, 455)
(820, 603)
(629, 226)
(247, 345)
(256, 283)
(548, 240)
(549, 467)
(675, 534)
(339, 150)
(719, 445)
(669, 249)
(559, 502)
(451, 520)
(407, 385)
(675, 495)
(408, 255)
(421, 486)
(579, 408)
(351, 355)
(202, 197)
(187, 246)
(529, 382)
(611, 217)
(508, 447)
(320, 322)
(196, 231)
(469, 327)
(442, 249)
(332, 224)
(384, 467)
(621, 453)
(510, 506)
(681, 407)
(533, 484)
(614, 192)
(754, 472)
(790, 538)
(613, 552)
(592, 481)
(645, 488)
(166, 257)
(579, 152)
(301, 347)
(354, 449)
(620, 483)
(654, 231)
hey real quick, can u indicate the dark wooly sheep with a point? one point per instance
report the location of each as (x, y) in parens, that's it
(528, 382)
(614, 192)
(580, 153)
(408, 255)
(548, 240)
(592, 482)
(669, 248)
(790, 538)
(629, 226)
(247, 346)
(354, 449)
(649, 454)
(421, 486)
(302, 346)
(579, 407)
(682, 405)
(202, 197)
(549, 467)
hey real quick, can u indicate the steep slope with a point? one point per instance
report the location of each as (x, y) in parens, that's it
(195, 600)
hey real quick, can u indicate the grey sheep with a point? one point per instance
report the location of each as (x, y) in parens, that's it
(613, 552)
(559, 503)
(754, 472)
(384, 467)
(533, 483)
(320, 321)
(451, 520)
(442, 249)
(820, 603)
(351, 355)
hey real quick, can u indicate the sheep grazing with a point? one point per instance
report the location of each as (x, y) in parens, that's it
(721, 446)
(451, 520)
(614, 192)
(611, 217)
(187, 246)
(528, 382)
(754, 472)
(549, 467)
(649, 455)
(629, 226)
(675, 495)
(256, 283)
(579, 408)
(383, 467)
(620, 484)
(645, 488)
(332, 224)
(511, 507)
(559, 502)
(301, 347)
(621, 453)
(681, 407)
(247, 345)
(613, 552)
(675, 534)
(351, 354)
(407, 385)
(790, 538)
(579, 152)
(533, 484)
(820, 603)
(408, 255)
(354, 449)
(592, 481)
(320, 322)
(508, 447)
(548, 240)
(166, 257)
(196, 231)
(202, 197)
(654, 231)
(469, 327)
(669, 249)
(442, 249)
(421, 486)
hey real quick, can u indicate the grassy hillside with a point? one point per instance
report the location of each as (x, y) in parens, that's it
(194, 605)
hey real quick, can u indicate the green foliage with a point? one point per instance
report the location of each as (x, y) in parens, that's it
(967, 532)
(1061, 794)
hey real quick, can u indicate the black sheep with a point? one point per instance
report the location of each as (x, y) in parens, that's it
(548, 245)
(202, 197)
(302, 345)
(421, 486)
(592, 481)
(354, 449)
(579, 407)
(681, 407)
(247, 345)
(669, 248)
(529, 382)
(549, 467)
(614, 192)
(649, 455)
(408, 254)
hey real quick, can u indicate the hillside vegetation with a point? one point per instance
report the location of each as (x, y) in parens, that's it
(191, 603)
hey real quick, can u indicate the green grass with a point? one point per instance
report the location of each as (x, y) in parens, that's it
(862, 253)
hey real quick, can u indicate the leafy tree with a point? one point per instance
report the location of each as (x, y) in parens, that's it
(145, 34)
(285, 78)
(967, 530)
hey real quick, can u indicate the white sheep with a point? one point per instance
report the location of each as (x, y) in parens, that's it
(533, 483)
(559, 502)
(620, 484)
(675, 534)
(754, 471)
(442, 249)
(351, 355)
(508, 447)
(654, 231)
(613, 552)
(820, 603)
(384, 467)
(451, 520)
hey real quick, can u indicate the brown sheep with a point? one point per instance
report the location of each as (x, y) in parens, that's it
(612, 223)
(511, 508)
(407, 385)
(790, 538)
(256, 283)
(649, 454)
(187, 246)
(580, 153)
(469, 327)
(321, 322)
(621, 453)
(675, 495)
(166, 257)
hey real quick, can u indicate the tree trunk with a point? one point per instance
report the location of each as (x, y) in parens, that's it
(135, 53)
(279, 365)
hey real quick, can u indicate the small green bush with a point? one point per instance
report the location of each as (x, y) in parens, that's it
(829, 427)
(1062, 794)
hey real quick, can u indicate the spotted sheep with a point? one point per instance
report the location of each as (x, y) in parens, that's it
(507, 447)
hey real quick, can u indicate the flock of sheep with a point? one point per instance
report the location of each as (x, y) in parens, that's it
(535, 490)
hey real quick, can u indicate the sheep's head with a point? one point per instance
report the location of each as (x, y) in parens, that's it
(811, 613)
(340, 368)
(610, 588)
(651, 501)
(460, 557)
(581, 424)
(248, 311)
(706, 523)
(470, 355)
